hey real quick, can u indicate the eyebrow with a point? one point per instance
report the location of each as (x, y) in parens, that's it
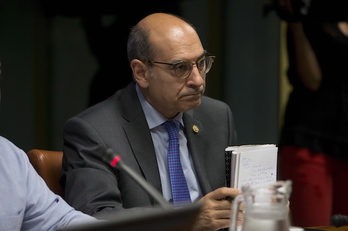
(183, 60)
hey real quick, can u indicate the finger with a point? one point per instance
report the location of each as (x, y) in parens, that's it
(224, 204)
(222, 214)
(224, 223)
(219, 224)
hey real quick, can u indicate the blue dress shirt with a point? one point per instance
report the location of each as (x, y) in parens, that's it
(26, 203)
(160, 140)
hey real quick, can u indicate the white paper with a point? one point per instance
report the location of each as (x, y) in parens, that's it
(253, 164)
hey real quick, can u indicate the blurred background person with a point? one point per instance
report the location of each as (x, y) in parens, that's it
(314, 138)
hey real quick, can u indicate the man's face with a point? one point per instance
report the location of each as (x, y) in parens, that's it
(167, 93)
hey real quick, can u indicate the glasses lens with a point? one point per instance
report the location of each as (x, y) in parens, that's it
(182, 69)
(202, 65)
(208, 63)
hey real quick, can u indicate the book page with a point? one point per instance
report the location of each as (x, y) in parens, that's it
(254, 164)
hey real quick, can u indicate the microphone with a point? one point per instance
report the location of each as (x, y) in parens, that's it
(116, 161)
(339, 220)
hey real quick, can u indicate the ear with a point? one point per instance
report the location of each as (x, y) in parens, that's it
(140, 72)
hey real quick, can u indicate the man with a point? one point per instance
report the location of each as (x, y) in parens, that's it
(26, 201)
(169, 67)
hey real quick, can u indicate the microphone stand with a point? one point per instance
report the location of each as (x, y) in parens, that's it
(115, 161)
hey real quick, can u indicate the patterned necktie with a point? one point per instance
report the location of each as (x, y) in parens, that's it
(178, 182)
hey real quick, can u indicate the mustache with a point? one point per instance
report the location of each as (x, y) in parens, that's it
(199, 92)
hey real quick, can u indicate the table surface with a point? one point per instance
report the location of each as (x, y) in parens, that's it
(329, 228)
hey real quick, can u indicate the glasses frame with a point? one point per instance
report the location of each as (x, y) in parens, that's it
(174, 64)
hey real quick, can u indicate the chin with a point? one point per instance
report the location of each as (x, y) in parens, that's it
(193, 105)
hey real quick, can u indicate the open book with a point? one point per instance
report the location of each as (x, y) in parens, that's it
(250, 164)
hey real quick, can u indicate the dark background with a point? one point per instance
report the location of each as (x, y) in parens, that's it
(52, 52)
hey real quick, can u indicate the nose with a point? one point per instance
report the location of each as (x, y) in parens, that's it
(195, 79)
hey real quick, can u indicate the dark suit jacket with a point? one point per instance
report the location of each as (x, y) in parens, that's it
(119, 123)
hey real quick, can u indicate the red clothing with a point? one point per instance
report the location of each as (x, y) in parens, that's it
(320, 186)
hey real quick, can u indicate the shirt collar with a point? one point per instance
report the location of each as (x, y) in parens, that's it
(153, 117)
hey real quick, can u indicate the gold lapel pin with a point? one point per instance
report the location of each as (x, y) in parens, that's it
(195, 129)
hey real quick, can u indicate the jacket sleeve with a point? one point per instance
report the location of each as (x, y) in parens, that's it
(90, 185)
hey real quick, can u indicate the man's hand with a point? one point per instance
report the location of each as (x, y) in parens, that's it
(216, 211)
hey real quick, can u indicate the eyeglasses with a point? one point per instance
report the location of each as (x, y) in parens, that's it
(183, 68)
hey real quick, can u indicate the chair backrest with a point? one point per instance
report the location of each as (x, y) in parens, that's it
(48, 165)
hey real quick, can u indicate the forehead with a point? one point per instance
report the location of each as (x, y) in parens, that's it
(177, 43)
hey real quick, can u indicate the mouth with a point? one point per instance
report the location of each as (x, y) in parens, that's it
(192, 96)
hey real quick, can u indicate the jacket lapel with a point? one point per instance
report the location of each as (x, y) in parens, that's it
(139, 137)
(194, 132)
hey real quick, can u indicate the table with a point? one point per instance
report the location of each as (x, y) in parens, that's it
(328, 228)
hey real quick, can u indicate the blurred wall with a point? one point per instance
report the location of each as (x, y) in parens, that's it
(252, 71)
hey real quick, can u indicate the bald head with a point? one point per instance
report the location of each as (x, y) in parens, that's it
(158, 33)
(168, 31)
(166, 25)
(160, 20)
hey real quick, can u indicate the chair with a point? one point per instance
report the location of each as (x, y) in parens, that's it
(48, 164)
